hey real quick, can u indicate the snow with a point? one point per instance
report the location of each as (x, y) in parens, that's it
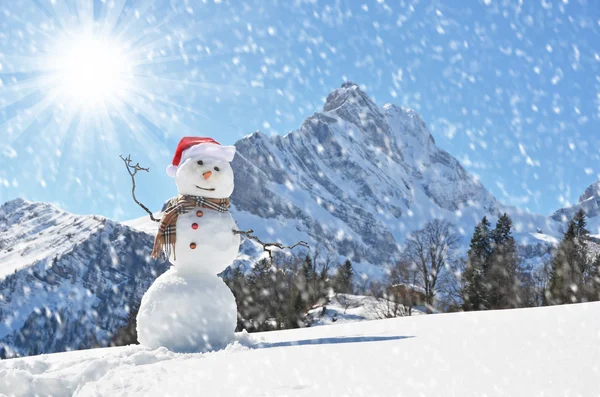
(551, 351)
(347, 308)
(187, 312)
(26, 226)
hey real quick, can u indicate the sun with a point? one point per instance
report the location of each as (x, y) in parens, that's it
(90, 70)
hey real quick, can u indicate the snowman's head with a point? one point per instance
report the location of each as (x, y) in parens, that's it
(205, 176)
(201, 167)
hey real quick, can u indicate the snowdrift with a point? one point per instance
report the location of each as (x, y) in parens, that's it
(552, 351)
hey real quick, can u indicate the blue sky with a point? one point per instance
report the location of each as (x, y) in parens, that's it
(512, 90)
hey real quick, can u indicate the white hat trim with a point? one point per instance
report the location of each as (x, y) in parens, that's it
(210, 150)
(172, 170)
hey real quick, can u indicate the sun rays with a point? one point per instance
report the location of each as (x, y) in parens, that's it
(88, 71)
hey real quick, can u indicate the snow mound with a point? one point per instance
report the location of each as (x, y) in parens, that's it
(552, 351)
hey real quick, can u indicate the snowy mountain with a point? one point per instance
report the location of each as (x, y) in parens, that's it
(589, 202)
(550, 351)
(358, 179)
(67, 281)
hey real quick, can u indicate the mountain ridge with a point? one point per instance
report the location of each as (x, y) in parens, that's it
(589, 202)
(68, 281)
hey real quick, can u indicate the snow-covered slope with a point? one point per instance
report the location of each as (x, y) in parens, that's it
(552, 351)
(355, 177)
(67, 281)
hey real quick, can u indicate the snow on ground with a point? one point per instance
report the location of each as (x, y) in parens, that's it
(346, 308)
(553, 351)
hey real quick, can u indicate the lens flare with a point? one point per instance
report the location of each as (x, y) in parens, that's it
(91, 70)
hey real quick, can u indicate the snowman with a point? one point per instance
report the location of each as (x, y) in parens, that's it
(189, 308)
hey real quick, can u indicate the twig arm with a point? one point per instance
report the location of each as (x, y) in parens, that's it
(132, 170)
(267, 247)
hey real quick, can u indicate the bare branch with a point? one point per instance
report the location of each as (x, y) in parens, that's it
(132, 170)
(267, 247)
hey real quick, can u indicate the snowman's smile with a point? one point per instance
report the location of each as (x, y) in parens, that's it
(210, 190)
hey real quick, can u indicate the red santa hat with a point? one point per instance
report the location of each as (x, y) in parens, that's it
(191, 146)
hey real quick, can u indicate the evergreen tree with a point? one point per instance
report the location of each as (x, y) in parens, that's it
(261, 283)
(307, 269)
(583, 264)
(580, 224)
(570, 266)
(474, 292)
(501, 273)
(343, 279)
(593, 292)
(307, 279)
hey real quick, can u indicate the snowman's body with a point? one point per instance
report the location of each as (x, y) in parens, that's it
(189, 308)
(211, 235)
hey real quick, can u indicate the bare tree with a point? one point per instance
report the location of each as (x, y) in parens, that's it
(345, 301)
(385, 303)
(326, 266)
(431, 251)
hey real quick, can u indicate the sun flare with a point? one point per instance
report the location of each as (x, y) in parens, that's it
(91, 70)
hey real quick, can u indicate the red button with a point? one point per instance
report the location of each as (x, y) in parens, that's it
(199, 213)
(193, 246)
(194, 226)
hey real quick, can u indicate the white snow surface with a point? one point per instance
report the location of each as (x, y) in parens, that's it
(347, 308)
(551, 351)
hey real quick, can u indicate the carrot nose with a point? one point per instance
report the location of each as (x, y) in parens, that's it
(207, 174)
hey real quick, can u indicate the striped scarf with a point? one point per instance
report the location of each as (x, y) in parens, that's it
(167, 235)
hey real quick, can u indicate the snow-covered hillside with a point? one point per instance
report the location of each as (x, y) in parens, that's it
(67, 281)
(552, 351)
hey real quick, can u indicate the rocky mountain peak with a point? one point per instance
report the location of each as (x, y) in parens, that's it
(349, 94)
(589, 202)
(593, 191)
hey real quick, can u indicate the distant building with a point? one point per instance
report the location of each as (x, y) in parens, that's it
(408, 295)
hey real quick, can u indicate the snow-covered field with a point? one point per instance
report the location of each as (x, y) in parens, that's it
(552, 351)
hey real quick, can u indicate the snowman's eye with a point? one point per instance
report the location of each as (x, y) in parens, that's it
(200, 162)
(217, 169)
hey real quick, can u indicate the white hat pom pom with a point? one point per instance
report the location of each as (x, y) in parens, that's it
(172, 170)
